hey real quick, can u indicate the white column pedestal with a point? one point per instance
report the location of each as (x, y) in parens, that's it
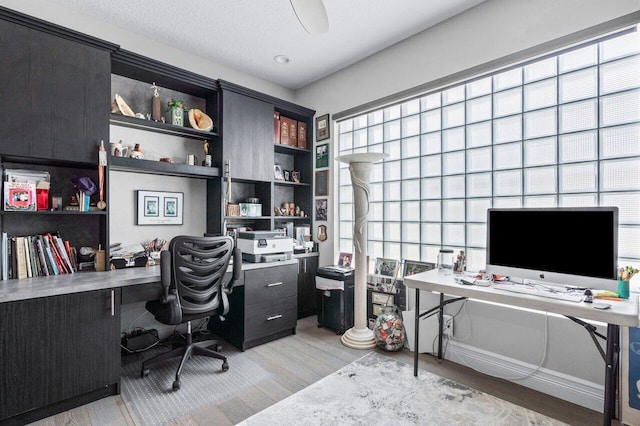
(360, 336)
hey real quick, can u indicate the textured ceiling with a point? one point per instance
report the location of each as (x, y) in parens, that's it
(247, 34)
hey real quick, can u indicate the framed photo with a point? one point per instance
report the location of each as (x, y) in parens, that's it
(159, 208)
(321, 209)
(151, 206)
(278, 174)
(295, 176)
(322, 183)
(412, 267)
(386, 267)
(345, 259)
(322, 156)
(322, 127)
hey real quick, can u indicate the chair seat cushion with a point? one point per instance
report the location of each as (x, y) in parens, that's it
(170, 313)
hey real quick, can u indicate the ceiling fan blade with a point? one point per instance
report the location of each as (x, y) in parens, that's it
(312, 15)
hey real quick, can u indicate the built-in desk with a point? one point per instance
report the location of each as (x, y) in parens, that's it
(60, 340)
(621, 313)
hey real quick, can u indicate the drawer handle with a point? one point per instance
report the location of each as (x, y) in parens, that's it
(275, 284)
(274, 317)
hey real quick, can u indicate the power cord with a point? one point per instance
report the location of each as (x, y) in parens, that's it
(532, 372)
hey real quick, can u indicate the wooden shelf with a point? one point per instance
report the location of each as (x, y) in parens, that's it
(162, 168)
(57, 212)
(243, 218)
(159, 127)
(287, 183)
(292, 217)
(287, 149)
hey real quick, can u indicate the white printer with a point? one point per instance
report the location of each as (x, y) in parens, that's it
(265, 246)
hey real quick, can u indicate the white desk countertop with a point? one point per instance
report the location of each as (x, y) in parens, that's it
(623, 312)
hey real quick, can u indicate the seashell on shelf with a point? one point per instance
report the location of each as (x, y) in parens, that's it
(120, 106)
(199, 120)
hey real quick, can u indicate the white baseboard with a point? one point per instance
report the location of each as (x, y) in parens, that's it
(563, 386)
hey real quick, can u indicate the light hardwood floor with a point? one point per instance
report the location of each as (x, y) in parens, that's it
(297, 361)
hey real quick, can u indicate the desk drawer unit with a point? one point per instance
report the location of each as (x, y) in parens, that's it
(265, 308)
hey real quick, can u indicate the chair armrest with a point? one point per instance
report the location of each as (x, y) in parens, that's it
(165, 278)
(237, 270)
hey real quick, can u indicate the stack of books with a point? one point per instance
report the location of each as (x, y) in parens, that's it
(29, 256)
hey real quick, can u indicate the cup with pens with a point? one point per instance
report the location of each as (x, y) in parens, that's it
(624, 276)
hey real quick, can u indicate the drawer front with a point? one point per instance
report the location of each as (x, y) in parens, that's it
(266, 319)
(270, 284)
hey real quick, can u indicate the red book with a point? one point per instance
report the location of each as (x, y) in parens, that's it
(302, 134)
(284, 130)
(293, 132)
(276, 127)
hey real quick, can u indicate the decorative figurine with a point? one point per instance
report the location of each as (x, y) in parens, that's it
(155, 101)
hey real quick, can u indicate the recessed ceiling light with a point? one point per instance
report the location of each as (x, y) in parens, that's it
(282, 59)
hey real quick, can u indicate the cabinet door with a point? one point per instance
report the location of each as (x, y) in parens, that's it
(56, 94)
(247, 137)
(59, 347)
(307, 286)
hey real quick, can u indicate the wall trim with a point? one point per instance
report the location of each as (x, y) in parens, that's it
(573, 389)
(482, 70)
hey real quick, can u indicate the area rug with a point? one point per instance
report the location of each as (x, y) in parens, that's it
(151, 401)
(379, 390)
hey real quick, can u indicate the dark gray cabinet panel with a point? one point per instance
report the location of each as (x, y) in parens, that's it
(55, 348)
(247, 136)
(263, 309)
(307, 267)
(57, 95)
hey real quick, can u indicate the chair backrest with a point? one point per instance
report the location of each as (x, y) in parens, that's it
(198, 269)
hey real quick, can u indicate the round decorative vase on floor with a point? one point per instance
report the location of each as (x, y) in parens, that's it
(389, 330)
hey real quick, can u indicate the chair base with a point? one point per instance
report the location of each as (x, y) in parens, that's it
(186, 351)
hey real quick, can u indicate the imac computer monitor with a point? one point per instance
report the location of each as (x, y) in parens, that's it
(561, 246)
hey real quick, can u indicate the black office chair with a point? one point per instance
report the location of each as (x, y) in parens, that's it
(193, 271)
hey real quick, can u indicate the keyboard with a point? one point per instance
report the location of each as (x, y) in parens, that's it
(533, 291)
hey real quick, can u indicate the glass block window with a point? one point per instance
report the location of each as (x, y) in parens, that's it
(560, 131)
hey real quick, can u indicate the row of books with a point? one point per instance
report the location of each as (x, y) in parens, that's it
(28, 256)
(287, 131)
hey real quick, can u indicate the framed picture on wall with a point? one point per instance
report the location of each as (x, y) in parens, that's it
(322, 156)
(321, 209)
(159, 208)
(322, 183)
(322, 127)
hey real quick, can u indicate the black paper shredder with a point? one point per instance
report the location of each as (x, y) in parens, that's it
(334, 298)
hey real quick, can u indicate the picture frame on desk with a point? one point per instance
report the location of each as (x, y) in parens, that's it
(412, 267)
(159, 207)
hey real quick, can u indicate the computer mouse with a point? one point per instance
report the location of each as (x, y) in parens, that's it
(600, 305)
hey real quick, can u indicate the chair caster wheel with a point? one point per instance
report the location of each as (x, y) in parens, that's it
(176, 385)
(218, 348)
(225, 366)
(144, 372)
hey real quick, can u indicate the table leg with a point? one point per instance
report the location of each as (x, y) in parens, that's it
(440, 324)
(611, 372)
(416, 334)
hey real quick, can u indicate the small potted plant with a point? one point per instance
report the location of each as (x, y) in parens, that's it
(176, 108)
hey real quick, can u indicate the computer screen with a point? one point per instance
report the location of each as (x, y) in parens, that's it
(562, 246)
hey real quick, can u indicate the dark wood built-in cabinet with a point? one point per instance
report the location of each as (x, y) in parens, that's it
(55, 348)
(56, 94)
(263, 309)
(307, 268)
(61, 351)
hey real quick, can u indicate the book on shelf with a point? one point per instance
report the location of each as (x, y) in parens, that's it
(293, 132)
(44, 267)
(284, 131)
(302, 134)
(276, 127)
(21, 258)
(5, 257)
